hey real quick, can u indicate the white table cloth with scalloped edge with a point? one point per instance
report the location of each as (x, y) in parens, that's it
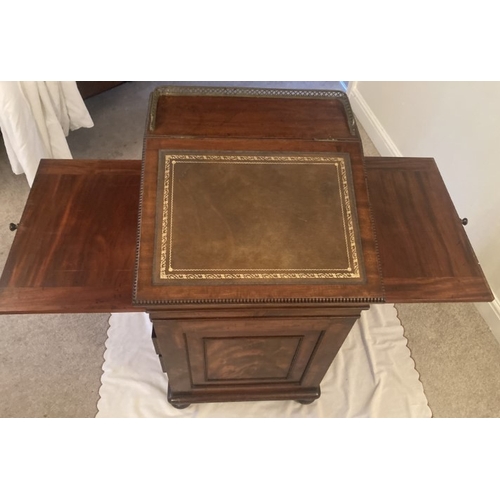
(373, 375)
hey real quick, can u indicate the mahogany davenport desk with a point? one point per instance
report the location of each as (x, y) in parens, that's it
(253, 232)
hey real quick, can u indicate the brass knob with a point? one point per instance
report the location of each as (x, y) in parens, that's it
(13, 226)
(465, 221)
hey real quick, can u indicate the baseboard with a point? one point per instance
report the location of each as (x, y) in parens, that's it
(490, 311)
(370, 123)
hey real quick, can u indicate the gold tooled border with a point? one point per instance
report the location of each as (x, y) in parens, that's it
(166, 272)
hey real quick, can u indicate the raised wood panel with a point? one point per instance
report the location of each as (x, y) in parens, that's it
(251, 351)
(249, 359)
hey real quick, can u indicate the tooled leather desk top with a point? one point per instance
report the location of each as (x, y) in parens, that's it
(243, 217)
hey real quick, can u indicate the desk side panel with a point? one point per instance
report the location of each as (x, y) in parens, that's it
(74, 248)
(424, 251)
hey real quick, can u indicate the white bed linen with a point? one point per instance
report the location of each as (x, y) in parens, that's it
(373, 375)
(35, 118)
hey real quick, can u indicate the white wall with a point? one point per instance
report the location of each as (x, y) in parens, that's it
(458, 124)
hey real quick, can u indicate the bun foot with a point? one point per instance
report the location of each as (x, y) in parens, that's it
(305, 401)
(178, 406)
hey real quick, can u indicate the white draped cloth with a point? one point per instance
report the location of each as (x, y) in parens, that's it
(35, 119)
(373, 375)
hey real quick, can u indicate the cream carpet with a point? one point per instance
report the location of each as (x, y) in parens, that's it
(373, 375)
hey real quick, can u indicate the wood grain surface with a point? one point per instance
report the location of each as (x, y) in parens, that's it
(250, 117)
(425, 253)
(74, 248)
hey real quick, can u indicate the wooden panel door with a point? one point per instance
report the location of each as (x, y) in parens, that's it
(250, 358)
